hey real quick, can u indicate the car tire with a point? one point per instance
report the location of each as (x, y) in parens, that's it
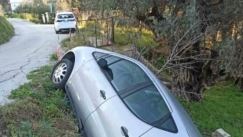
(61, 73)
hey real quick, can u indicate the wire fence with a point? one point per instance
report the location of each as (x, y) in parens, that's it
(97, 32)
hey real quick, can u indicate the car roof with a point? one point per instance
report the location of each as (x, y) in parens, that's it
(65, 12)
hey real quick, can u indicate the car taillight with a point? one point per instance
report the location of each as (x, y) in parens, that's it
(58, 20)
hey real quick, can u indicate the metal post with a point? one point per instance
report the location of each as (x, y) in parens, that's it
(113, 30)
(51, 7)
(70, 35)
(47, 18)
(43, 18)
(96, 34)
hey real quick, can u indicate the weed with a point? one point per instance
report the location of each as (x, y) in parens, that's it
(124, 36)
(6, 29)
(221, 108)
(40, 110)
(54, 57)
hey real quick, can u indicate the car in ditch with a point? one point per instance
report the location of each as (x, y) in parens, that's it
(113, 95)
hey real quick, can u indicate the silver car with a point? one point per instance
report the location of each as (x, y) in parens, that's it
(113, 95)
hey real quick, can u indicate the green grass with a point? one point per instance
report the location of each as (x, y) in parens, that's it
(124, 36)
(221, 108)
(53, 57)
(28, 16)
(77, 40)
(40, 110)
(6, 29)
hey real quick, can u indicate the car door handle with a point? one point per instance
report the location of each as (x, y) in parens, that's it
(124, 131)
(102, 92)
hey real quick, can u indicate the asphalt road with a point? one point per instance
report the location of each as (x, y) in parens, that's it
(28, 50)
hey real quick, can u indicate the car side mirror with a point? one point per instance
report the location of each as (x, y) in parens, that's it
(102, 63)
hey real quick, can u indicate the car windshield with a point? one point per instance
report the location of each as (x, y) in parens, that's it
(65, 16)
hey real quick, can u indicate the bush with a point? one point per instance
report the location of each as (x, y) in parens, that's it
(6, 30)
(31, 17)
(124, 36)
(1, 10)
(31, 13)
(12, 15)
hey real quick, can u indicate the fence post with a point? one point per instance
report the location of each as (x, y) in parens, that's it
(47, 18)
(43, 18)
(96, 43)
(112, 30)
(70, 42)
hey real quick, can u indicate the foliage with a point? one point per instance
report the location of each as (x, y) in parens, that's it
(6, 29)
(76, 40)
(1, 10)
(28, 16)
(25, 8)
(187, 30)
(12, 15)
(31, 17)
(40, 109)
(32, 12)
(220, 109)
(4, 5)
(125, 36)
(67, 5)
(53, 57)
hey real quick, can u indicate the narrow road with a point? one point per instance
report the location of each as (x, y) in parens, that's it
(28, 50)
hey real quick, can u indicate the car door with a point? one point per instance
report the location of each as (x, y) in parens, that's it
(138, 107)
(113, 119)
(88, 89)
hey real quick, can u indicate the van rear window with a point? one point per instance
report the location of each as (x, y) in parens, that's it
(65, 16)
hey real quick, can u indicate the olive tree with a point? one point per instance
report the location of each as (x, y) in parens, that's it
(190, 31)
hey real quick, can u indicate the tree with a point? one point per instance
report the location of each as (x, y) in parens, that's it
(5, 5)
(189, 29)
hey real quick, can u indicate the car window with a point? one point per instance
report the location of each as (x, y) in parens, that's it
(98, 55)
(122, 73)
(65, 16)
(149, 106)
(125, 73)
(109, 58)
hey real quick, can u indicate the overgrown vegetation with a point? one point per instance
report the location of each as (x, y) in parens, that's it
(40, 110)
(1, 10)
(186, 33)
(6, 29)
(28, 16)
(219, 109)
(53, 57)
(31, 12)
(126, 36)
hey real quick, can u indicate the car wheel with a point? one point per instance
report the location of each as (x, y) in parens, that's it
(61, 73)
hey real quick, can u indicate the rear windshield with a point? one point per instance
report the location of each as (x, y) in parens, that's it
(65, 16)
(149, 106)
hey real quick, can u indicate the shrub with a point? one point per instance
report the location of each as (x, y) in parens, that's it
(6, 30)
